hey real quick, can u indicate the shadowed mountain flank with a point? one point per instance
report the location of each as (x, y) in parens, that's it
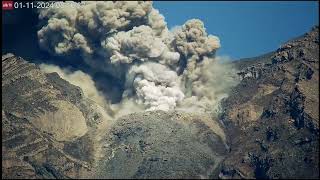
(273, 114)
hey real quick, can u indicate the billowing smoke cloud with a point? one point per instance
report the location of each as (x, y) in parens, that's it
(155, 85)
(160, 69)
(139, 44)
(192, 40)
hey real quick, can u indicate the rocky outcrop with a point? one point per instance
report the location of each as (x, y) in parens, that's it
(273, 114)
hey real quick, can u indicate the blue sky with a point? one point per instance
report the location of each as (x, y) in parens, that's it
(245, 29)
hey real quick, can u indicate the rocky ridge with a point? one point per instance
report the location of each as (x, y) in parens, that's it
(47, 124)
(273, 114)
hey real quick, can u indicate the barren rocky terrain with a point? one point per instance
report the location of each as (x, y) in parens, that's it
(50, 130)
(273, 114)
(47, 124)
(268, 127)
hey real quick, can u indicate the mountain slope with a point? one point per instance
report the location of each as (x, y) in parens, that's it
(273, 114)
(271, 124)
(51, 130)
(161, 145)
(46, 123)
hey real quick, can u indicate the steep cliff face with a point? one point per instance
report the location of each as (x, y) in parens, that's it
(273, 114)
(47, 124)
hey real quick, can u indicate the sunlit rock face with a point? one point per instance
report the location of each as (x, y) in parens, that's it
(48, 124)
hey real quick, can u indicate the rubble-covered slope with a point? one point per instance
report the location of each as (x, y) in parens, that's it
(160, 144)
(273, 114)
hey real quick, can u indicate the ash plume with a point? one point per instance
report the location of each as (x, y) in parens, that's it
(160, 69)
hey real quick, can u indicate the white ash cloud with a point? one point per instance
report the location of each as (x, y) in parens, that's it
(155, 86)
(129, 40)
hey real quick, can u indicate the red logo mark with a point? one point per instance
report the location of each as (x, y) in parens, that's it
(7, 5)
